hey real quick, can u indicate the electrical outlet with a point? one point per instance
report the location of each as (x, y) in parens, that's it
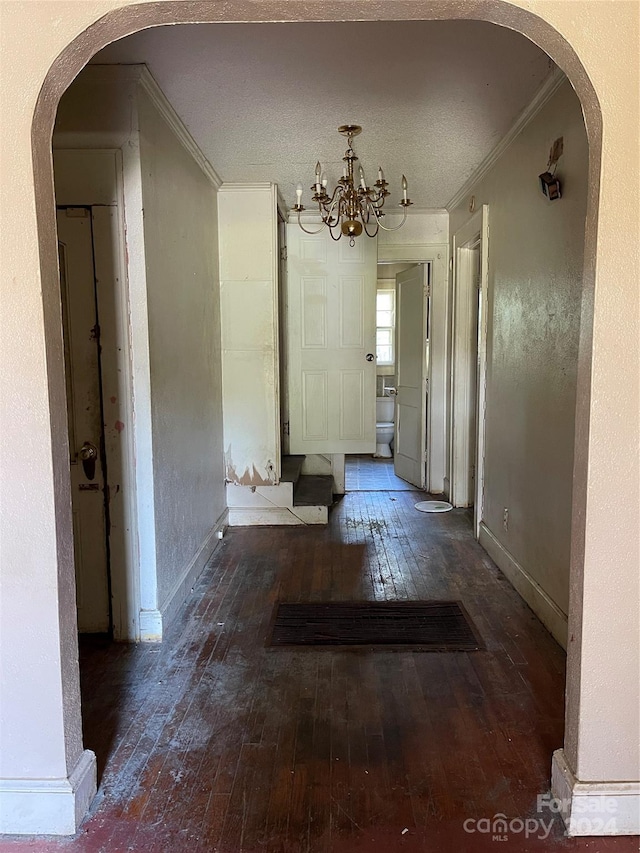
(505, 518)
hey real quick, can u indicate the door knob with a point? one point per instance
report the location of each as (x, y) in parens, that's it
(370, 356)
(88, 454)
(88, 451)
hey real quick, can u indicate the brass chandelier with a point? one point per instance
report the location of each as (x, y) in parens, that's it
(351, 209)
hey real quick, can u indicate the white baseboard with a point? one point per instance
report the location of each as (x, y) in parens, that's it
(153, 622)
(256, 497)
(48, 806)
(538, 600)
(594, 808)
(277, 516)
(150, 626)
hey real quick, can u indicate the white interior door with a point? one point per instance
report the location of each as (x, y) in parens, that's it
(331, 369)
(412, 347)
(81, 340)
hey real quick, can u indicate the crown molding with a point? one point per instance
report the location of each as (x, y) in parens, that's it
(541, 97)
(161, 103)
(245, 186)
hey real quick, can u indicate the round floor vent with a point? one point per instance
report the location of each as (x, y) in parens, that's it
(433, 506)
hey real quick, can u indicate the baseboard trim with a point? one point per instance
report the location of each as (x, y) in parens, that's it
(150, 626)
(153, 622)
(552, 617)
(48, 806)
(594, 808)
(277, 516)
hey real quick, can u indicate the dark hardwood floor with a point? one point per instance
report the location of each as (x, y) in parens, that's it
(212, 742)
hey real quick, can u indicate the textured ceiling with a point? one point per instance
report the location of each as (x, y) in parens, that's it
(263, 101)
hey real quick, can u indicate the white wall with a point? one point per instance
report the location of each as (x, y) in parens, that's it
(421, 227)
(180, 235)
(249, 305)
(535, 291)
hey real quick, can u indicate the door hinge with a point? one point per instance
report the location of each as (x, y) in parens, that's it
(425, 456)
(283, 253)
(285, 428)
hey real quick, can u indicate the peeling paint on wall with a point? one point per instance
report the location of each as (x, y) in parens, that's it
(250, 476)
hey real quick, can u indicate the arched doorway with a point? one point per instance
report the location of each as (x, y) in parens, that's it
(125, 21)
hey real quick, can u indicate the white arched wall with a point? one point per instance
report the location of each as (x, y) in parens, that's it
(46, 778)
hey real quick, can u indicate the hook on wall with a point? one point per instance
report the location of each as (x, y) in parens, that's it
(549, 183)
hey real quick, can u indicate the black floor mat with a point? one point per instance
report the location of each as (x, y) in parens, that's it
(422, 625)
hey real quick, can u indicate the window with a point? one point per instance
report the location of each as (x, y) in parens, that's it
(385, 326)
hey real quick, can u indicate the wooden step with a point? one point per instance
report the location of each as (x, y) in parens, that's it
(313, 490)
(290, 468)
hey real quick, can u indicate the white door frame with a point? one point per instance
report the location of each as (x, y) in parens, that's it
(434, 254)
(473, 234)
(93, 178)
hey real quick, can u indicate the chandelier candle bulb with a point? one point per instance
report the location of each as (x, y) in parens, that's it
(349, 210)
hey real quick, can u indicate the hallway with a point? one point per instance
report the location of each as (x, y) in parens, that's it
(210, 742)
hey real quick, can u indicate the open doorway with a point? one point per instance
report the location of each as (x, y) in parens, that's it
(400, 460)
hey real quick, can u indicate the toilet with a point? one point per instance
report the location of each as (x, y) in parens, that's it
(385, 413)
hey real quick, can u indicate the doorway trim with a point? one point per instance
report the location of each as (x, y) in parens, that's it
(473, 234)
(434, 256)
(92, 177)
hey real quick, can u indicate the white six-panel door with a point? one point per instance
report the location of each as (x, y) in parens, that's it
(331, 301)
(412, 303)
